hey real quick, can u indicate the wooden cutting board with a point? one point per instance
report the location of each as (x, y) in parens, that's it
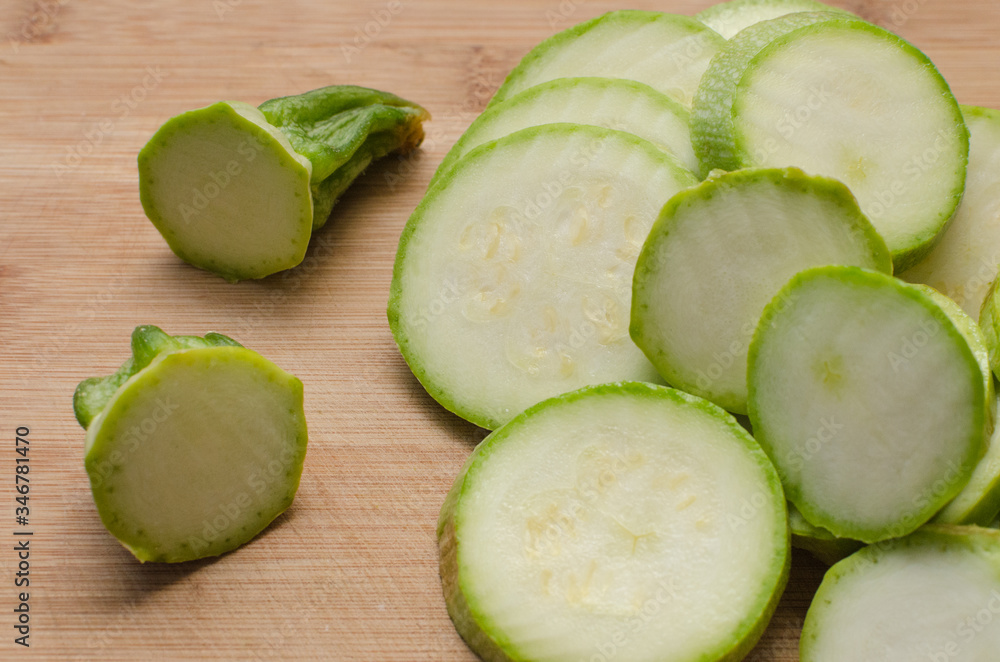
(350, 571)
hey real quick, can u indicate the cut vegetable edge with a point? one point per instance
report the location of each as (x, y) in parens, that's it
(934, 490)
(106, 454)
(399, 324)
(721, 377)
(708, 42)
(733, 128)
(963, 262)
(819, 542)
(545, 103)
(205, 217)
(909, 594)
(477, 628)
(730, 18)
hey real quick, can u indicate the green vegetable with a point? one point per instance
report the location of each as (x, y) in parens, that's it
(668, 52)
(868, 399)
(837, 96)
(934, 596)
(238, 190)
(513, 276)
(617, 509)
(729, 18)
(816, 540)
(717, 255)
(193, 446)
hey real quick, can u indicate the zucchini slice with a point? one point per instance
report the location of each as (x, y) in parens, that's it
(868, 399)
(934, 595)
(728, 18)
(964, 262)
(720, 252)
(614, 103)
(840, 97)
(819, 542)
(513, 277)
(668, 52)
(628, 521)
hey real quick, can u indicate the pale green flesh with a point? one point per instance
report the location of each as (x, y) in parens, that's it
(728, 18)
(868, 399)
(848, 101)
(819, 542)
(979, 502)
(720, 252)
(514, 275)
(932, 596)
(976, 340)
(665, 51)
(197, 453)
(964, 262)
(620, 508)
(227, 191)
(614, 103)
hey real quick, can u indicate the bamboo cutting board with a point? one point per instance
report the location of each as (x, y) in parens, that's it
(350, 571)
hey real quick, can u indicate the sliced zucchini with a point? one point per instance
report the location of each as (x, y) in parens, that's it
(934, 595)
(668, 52)
(719, 253)
(513, 277)
(964, 262)
(867, 398)
(197, 451)
(728, 18)
(819, 542)
(614, 103)
(628, 521)
(840, 97)
(979, 502)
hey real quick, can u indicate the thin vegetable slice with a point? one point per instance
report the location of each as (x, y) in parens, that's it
(934, 595)
(197, 450)
(868, 399)
(621, 508)
(964, 262)
(614, 103)
(668, 52)
(513, 277)
(979, 501)
(719, 253)
(819, 542)
(840, 97)
(728, 18)
(238, 190)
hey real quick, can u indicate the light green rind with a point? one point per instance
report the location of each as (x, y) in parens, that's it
(977, 343)
(779, 95)
(729, 18)
(754, 259)
(713, 129)
(964, 450)
(670, 58)
(819, 542)
(408, 319)
(979, 501)
(209, 182)
(877, 619)
(92, 395)
(989, 323)
(473, 620)
(179, 475)
(964, 261)
(613, 103)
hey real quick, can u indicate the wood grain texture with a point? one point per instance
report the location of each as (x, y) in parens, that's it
(350, 571)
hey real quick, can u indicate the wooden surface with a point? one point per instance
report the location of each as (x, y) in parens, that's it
(350, 571)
